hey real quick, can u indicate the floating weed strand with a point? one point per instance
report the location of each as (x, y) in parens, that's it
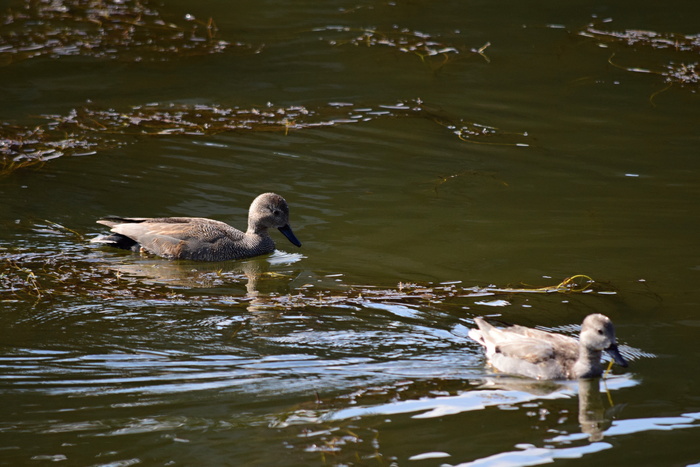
(62, 228)
(568, 285)
(472, 173)
(608, 369)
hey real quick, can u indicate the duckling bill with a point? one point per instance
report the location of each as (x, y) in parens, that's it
(201, 239)
(539, 354)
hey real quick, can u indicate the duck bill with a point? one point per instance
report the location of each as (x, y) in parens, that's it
(287, 232)
(615, 354)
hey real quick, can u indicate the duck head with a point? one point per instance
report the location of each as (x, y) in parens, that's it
(270, 210)
(598, 334)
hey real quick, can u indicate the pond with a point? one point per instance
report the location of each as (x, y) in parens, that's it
(441, 161)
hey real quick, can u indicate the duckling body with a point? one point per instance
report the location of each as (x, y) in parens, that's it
(544, 355)
(201, 239)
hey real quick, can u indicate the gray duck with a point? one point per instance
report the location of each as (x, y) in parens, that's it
(201, 239)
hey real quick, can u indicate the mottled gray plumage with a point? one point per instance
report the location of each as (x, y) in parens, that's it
(544, 355)
(201, 239)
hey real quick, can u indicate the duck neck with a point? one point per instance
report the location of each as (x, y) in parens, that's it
(588, 363)
(257, 230)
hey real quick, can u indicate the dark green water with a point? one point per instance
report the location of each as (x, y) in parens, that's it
(318, 356)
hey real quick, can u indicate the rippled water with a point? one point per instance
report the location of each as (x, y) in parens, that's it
(353, 349)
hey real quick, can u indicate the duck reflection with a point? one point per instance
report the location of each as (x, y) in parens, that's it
(253, 274)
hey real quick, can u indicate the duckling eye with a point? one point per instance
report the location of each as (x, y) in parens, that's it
(600, 331)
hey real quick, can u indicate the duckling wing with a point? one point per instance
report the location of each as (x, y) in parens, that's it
(511, 343)
(530, 350)
(566, 347)
(543, 335)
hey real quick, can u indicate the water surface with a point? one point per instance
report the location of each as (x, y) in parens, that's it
(352, 350)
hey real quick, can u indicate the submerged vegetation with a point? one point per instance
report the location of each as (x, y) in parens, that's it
(128, 30)
(137, 31)
(75, 272)
(90, 130)
(430, 50)
(22, 147)
(674, 73)
(644, 39)
(47, 276)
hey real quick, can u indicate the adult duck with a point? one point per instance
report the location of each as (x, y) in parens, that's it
(201, 239)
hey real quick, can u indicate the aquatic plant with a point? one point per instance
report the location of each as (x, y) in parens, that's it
(32, 146)
(432, 51)
(679, 74)
(74, 272)
(90, 130)
(643, 39)
(136, 31)
(673, 74)
(127, 30)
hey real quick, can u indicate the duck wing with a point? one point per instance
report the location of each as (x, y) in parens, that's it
(175, 237)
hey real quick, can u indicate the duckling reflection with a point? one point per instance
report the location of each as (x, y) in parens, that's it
(593, 417)
(531, 386)
(591, 413)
